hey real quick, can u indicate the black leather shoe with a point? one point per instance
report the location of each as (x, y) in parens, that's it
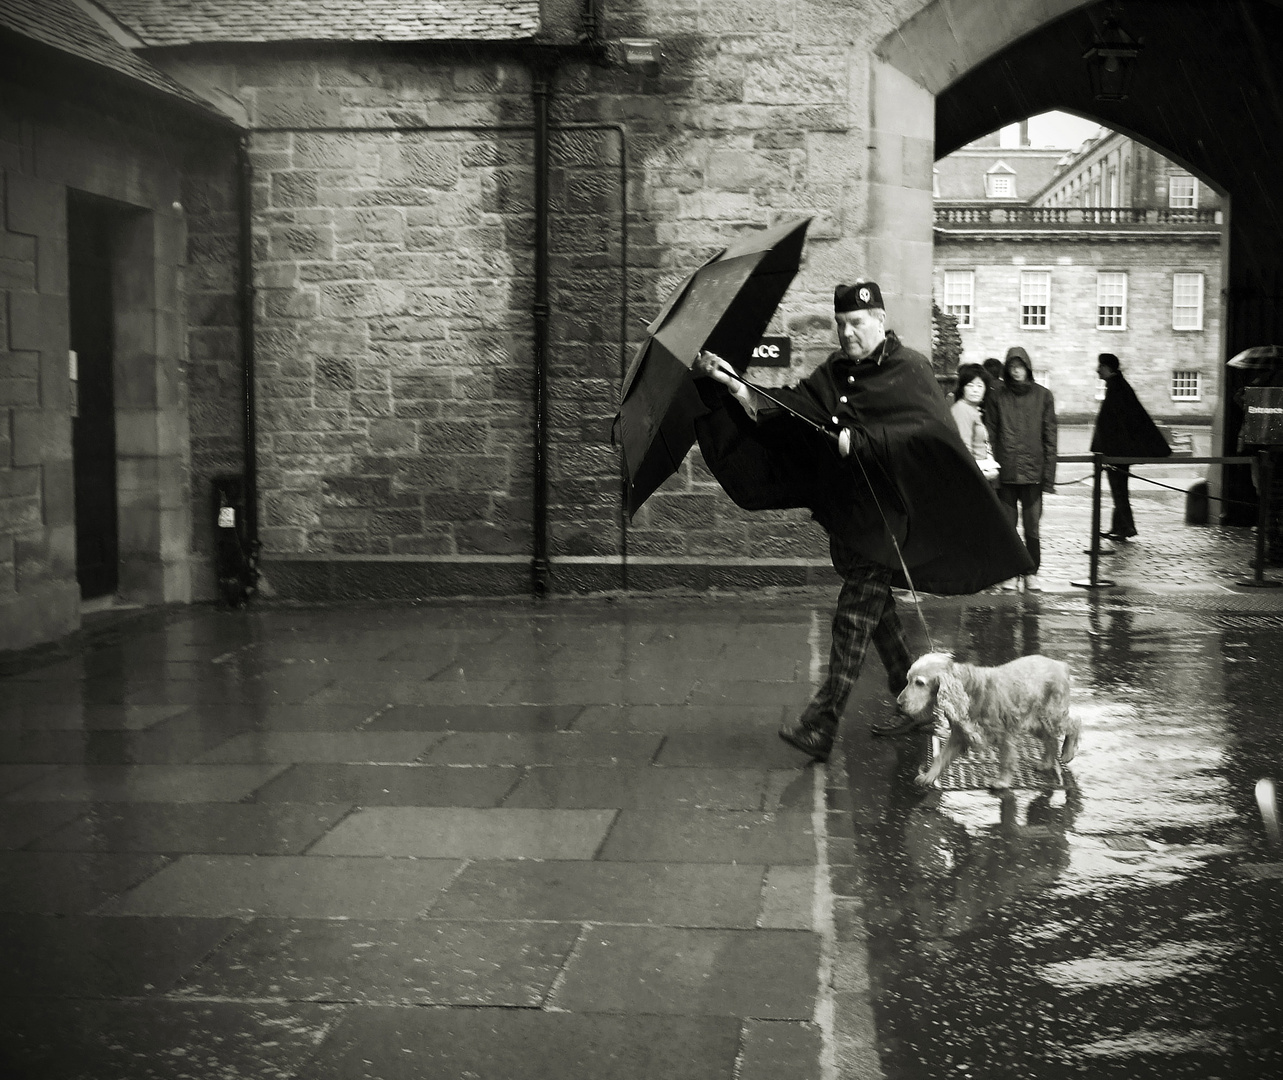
(809, 740)
(898, 723)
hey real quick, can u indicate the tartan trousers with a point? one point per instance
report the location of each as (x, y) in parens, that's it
(865, 612)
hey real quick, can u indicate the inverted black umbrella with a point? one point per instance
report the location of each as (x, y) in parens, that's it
(1258, 358)
(723, 307)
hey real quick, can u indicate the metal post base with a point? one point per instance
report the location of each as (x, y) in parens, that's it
(1100, 583)
(1263, 583)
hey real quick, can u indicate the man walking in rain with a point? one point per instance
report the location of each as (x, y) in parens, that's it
(901, 498)
(1123, 429)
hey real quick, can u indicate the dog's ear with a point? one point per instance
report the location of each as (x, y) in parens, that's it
(953, 703)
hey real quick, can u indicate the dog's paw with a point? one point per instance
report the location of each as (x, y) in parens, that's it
(1000, 786)
(924, 779)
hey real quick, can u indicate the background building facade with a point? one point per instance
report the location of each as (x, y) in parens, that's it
(1116, 250)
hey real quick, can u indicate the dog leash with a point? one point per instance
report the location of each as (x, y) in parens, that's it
(917, 605)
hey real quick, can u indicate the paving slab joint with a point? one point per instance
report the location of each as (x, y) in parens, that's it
(850, 1051)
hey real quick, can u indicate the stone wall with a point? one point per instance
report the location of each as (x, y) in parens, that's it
(394, 282)
(762, 113)
(133, 163)
(393, 267)
(394, 277)
(1064, 355)
(39, 598)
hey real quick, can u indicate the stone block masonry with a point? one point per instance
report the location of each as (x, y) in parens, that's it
(394, 279)
(54, 153)
(38, 596)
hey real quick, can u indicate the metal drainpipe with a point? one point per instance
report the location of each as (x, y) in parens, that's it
(542, 68)
(245, 303)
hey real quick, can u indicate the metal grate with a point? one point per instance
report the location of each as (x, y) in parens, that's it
(978, 769)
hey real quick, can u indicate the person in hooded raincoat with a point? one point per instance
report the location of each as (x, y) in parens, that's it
(1123, 429)
(888, 478)
(1022, 423)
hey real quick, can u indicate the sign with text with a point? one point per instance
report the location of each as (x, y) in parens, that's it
(1263, 415)
(772, 352)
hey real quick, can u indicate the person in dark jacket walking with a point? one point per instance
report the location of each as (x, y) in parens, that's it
(1022, 422)
(890, 480)
(1123, 429)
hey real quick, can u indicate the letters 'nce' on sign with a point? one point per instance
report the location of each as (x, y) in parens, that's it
(772, 352)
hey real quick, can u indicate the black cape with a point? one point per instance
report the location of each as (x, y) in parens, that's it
(909, 470)
(1123, 427)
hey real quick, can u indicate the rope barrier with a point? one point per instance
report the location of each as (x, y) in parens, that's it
(1107, 461)
(1264, 464)
(1168, 487)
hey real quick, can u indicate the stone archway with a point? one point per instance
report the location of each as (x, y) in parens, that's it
(910, 67)
(960, 70)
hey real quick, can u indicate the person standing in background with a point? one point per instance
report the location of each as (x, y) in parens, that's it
(1022, 425)
(1123, 429)
(968, 401)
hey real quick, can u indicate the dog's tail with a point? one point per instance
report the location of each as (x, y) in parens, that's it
(1070, 746)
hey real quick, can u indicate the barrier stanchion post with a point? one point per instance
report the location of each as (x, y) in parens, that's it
(1264, 512)
(1093, 581)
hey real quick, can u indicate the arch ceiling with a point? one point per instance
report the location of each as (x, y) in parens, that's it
(1207, 89)
(948, 38)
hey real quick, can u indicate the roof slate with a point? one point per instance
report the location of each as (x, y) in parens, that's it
(187, 22)
(63, 25)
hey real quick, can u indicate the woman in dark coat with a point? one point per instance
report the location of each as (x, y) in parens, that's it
(1123, 429)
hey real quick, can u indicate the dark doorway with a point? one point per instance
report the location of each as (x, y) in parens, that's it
(89, 246)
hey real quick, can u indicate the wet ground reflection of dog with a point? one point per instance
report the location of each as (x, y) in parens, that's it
(955, 875)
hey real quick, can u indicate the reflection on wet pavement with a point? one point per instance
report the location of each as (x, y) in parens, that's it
(1118, 928)
(347, 843)
(494, 839)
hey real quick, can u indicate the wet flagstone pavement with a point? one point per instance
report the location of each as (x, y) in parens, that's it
(511, 840)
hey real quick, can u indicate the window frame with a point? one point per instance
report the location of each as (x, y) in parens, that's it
(1197, 395)
(1027, 273)
(1100, 307)
(970, 278)
(1172, 197)
(1177, 307)
(1000, 170)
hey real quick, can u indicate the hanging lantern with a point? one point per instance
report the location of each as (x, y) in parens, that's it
(1111, 60)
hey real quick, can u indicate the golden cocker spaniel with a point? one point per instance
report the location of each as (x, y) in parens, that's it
(994, 706)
